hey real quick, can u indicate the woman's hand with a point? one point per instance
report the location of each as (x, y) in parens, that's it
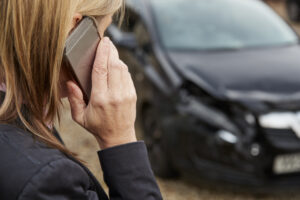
(111, 112)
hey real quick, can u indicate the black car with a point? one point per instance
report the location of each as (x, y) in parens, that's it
(218, 83)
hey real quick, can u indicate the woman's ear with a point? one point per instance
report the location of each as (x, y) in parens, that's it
(76, 19)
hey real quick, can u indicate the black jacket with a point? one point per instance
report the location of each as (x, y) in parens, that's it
(31, 170)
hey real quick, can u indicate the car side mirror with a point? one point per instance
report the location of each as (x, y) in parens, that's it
(122, 39)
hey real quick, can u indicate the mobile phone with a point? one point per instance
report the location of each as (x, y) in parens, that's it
(79, 54)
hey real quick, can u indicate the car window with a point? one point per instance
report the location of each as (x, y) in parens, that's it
(219, 24)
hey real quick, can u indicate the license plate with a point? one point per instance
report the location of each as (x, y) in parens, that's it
(284, 164)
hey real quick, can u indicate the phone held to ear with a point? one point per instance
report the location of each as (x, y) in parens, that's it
(79, 54)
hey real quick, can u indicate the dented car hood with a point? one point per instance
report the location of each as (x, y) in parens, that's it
(269, 75)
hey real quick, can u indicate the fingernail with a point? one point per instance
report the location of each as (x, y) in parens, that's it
(106, 40)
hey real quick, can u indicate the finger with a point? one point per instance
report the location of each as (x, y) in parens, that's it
(125, 79)
(130, 88)
(124, 66)
(114, 50)
(115, 76)
(100, 68)
(77, 103)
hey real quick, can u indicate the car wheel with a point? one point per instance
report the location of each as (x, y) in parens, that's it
(293, 10)
(152, 133)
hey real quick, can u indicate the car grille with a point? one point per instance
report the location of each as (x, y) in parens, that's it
(282, 139)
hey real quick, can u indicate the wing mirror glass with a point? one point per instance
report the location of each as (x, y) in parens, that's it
(122, 39)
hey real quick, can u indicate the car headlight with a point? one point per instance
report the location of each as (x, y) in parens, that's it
(281, 120)
(227, 136)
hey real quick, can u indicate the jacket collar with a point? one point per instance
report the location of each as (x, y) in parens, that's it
(18, 122)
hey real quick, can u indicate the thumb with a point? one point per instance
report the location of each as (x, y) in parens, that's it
(77, 103)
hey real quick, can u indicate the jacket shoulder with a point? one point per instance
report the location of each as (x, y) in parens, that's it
(21, 157)
(61, 179)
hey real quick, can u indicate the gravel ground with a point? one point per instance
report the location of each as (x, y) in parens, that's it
(79, 141)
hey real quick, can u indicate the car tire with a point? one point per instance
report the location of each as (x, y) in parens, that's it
(152, 134)
(293, 10)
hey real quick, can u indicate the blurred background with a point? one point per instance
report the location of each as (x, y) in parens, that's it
(218, 87)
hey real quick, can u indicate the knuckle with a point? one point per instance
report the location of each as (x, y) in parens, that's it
(130, 98)
(98, 101)
(133, 97)
(116, 100)
(116, 64)
(100, 70)
(124, 66)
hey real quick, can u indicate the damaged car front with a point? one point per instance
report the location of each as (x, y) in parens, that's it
(218, 89)
(251, 142)
(239, 121)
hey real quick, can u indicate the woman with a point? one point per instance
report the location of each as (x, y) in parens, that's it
(34, 164)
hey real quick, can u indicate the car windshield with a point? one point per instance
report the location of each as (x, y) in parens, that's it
(219, 24)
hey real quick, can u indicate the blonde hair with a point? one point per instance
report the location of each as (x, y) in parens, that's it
(32, 39)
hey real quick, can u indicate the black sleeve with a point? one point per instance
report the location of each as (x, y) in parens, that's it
(61, 179)
(128, 174)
